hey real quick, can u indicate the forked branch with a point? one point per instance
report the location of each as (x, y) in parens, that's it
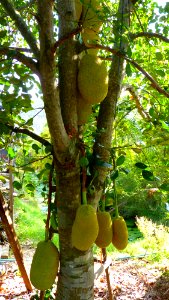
(21, 25)
(16, 54)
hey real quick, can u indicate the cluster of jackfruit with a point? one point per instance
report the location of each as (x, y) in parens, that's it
(44, 267)
(90, 227)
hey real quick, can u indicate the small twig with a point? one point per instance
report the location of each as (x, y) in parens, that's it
(117, 52)
(65, 38)
(49, 199)
(104, 254)
(33, 161)
(29, 133)
(149, 35)
(42, 295)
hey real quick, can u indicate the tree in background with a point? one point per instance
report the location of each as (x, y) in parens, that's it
(42, 43)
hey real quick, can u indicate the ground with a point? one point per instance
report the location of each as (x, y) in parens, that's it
(130, 279)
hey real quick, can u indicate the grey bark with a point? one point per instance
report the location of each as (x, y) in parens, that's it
(107, 112)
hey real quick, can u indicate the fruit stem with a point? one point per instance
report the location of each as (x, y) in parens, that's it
(103, 202)
(84, 198)
(116, 203)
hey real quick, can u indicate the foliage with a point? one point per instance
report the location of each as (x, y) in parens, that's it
(29, 221)
(155, 240)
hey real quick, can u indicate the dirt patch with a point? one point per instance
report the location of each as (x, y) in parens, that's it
(130, 280)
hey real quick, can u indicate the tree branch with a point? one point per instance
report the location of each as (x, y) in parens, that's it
(27, 61)
(149, 35)
(47, 63)
(21, 25)
(117, 52)
(136, 99)
(66, 37)
(33, 135)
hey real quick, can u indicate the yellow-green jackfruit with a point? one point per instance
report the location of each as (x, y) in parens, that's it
(92, 79)
(44, 265)
(120, 233)
(92, 15)
(91, 21)
(85, 227)
(104, 237)
(84, 109)
(78, 9)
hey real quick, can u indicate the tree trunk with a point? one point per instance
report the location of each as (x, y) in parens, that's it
(76, 277)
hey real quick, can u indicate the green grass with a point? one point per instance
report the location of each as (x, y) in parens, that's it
(29, 221)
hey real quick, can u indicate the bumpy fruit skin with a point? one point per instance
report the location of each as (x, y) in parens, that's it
(120, 233)
(84, 110)
(92, 79)
(44, 265)
(78, 9)
(91, 15)
(104, 237)
(85, 228)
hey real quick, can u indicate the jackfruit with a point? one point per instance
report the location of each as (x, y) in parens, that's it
(44, 265)
(89, 36)
(92, 79)
(84, 109)
(92, 51)
(104, 237)
(78, 9)
(92, 15)
(120, 233)
(91, 21)
(85, 227)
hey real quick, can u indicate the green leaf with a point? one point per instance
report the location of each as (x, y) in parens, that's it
(128, 70)
(3, 179)
(30, 187)
(17, 185)
(48, 166)
(120, 160)
(36, 148)
(104, 164)
(164, 187)
(164, 125)
(140, 165)
(48, 149)
(11, 153)
(114, 175)
(151, 111)
(83, 161)
(29, 169)
(159, 56)
(147, 175)
(29, 122)
(124, 170)
(137, 150)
